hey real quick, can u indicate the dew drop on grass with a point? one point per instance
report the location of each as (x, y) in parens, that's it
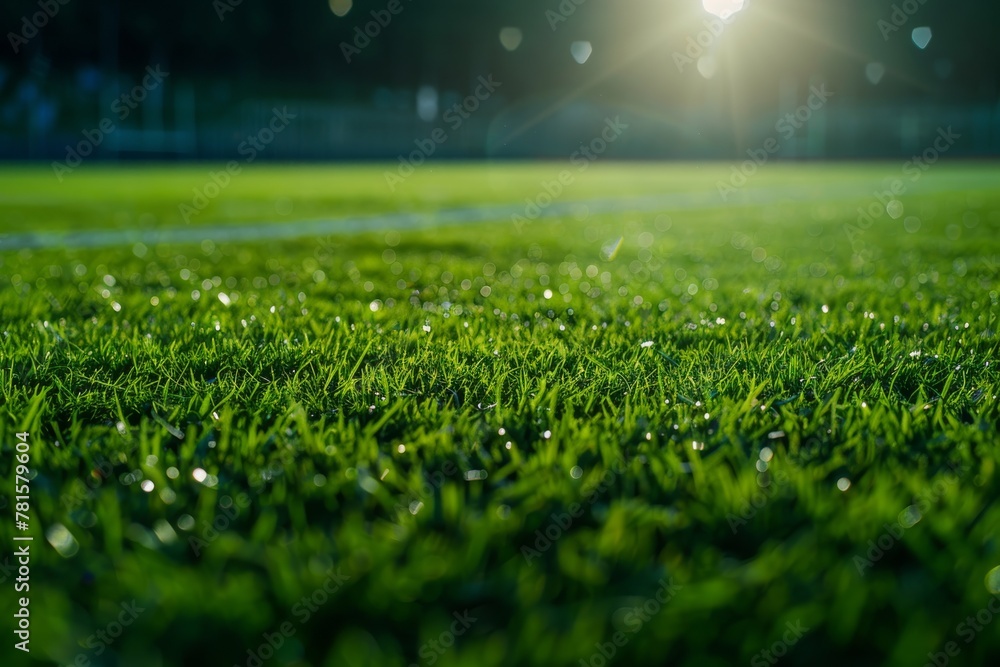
(185, 522)
(576, 472)
(843, 484)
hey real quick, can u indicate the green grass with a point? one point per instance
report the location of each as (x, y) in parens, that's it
(412, 406)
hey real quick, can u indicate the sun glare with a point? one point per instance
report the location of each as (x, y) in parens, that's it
(723, 8)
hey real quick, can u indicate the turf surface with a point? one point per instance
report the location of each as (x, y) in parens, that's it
(694, 428)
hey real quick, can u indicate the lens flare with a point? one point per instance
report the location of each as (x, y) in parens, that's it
(723, 8)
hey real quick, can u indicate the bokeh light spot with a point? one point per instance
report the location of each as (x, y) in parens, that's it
(511, 38)
(341, 7)
(922, 37)
(706, 66)
(581, 51)
(874, 73)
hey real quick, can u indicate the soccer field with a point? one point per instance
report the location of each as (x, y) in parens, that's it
(504, 414)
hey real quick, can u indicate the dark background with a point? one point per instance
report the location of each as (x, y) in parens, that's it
(226, 75)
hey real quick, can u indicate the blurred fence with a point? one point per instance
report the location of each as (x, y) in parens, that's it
(173, 126)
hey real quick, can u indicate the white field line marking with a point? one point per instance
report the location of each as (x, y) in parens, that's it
(270, 231)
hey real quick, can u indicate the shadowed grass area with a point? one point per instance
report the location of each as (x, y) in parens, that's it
(764, 413)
